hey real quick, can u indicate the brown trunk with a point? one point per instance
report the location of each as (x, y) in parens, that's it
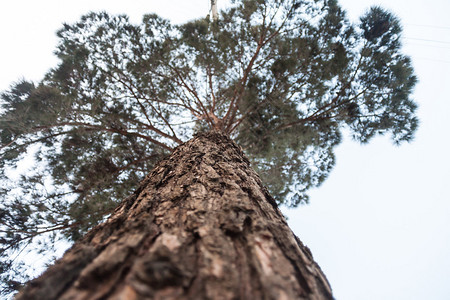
(201, 226)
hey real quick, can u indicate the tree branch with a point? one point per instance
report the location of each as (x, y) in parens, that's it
(194, 94)
(130, 87)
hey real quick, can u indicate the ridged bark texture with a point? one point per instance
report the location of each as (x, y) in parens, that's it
(201, 226)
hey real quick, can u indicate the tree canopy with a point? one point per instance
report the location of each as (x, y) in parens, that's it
(282, 78)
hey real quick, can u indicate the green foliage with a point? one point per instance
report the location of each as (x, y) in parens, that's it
(283, 78)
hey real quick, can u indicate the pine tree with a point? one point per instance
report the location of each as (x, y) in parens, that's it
(281, 78)
(201, 226)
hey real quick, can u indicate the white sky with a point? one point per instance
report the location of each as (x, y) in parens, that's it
(380, 225)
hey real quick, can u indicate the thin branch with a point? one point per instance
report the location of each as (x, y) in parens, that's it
(184, 104)
(211, 88)
(100, 128)
(229, 116)
(144, 111)
(149, 102)
(37, 140)
(31, 235)
(234, 105)
(194, 93)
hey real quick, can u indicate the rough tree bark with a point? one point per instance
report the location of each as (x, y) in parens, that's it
(201, 226)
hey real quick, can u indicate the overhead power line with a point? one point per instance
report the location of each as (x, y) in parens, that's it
(430, 26)
(432, 59)
(426, 45)
(427, 40)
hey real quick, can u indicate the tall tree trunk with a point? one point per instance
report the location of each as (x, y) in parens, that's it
(201, 226)
(214, 12)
